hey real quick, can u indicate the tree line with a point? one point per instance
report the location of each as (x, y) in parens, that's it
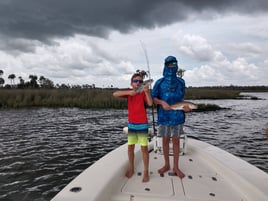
(42, 82)
(34, 83)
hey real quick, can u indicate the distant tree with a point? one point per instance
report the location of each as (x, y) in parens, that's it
(8, 86)
(12, 78)
(45, 82)
(33, 81)
(64, 86)
(21, 82)
(2, 82)
(76, 86)
(42, 80)
(86, 86)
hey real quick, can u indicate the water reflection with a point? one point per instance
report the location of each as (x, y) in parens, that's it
(44, 149)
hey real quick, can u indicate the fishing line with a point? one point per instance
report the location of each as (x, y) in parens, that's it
(149, 72)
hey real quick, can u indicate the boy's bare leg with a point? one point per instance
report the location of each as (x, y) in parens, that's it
(145, 155)
(176, 152)
(166, 167)
(130, 171)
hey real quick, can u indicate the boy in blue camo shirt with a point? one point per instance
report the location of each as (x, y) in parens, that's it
(168, 90)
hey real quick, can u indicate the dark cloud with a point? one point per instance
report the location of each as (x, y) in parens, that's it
(47, 19)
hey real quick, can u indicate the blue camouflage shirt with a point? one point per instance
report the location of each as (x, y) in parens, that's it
(171, 89)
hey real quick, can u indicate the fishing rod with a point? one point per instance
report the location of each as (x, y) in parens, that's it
(146, 58)
(149, 73)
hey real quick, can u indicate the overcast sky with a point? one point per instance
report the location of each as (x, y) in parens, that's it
(102, 42)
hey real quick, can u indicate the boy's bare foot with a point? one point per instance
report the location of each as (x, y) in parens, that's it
(179, 173)
(146, 177)
(163, 169)
(129, 173)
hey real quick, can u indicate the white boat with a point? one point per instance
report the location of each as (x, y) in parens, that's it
(211, 174)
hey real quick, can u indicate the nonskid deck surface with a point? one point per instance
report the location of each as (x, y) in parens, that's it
(200, 182)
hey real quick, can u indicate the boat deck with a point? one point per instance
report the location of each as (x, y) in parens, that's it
(202, 181)
(211, 174)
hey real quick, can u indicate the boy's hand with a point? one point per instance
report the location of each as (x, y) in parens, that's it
(186, 108)
(145, 88)
(166, 106)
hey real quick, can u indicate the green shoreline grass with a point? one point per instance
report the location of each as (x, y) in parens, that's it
(92, 98)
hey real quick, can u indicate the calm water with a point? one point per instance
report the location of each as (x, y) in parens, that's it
(41, 150)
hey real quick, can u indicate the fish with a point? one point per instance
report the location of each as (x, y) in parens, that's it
(180, 105)
(146, 82)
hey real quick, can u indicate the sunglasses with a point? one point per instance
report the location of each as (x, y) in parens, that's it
(171, 63)
(136, 81)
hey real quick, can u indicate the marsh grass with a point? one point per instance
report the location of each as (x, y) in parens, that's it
(81, 98)
(90, 98)
(211, 93)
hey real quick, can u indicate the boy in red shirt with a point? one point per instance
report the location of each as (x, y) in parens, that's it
(137, 122)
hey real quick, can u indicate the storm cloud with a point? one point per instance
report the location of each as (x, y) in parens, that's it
(222, 42)
(42, 21)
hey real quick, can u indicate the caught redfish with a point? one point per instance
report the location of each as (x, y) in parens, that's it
(180, 105)
(146, 82)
